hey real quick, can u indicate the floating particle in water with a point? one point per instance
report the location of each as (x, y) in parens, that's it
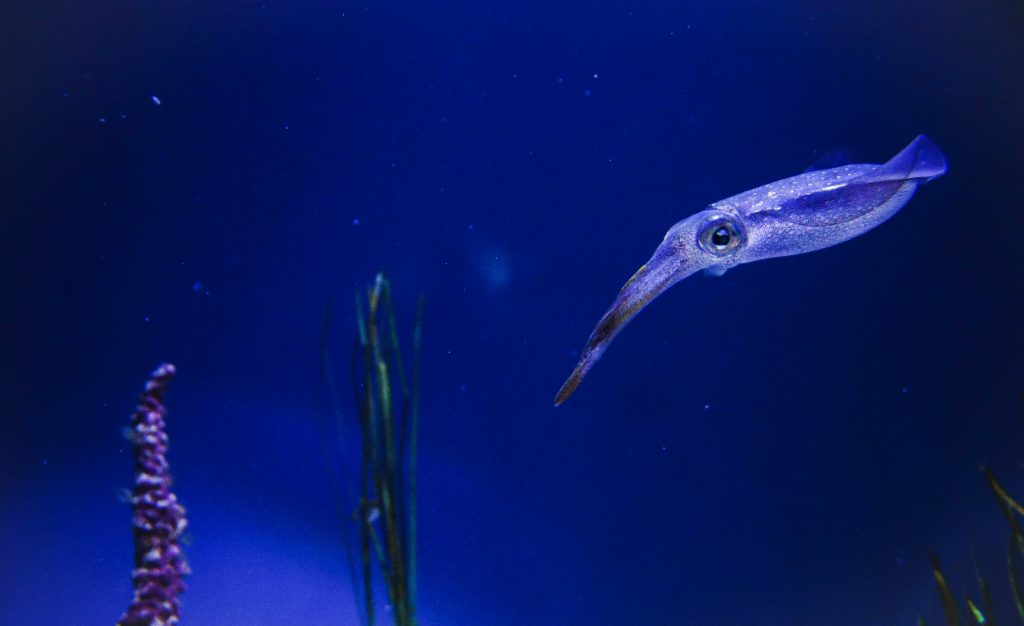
(197, 286)
(905, 390)
(155, 100)
(901, 557)
(103, 120)
(373, 514)
(355, 221)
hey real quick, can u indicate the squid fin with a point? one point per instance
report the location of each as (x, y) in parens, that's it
(921, 159)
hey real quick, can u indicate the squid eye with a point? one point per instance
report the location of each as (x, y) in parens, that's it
(721, 237)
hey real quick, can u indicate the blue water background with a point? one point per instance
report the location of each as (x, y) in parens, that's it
(193, 181)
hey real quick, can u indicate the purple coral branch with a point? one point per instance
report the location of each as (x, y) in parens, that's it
(157, 519)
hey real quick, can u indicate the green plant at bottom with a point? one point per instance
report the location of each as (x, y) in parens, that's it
(388, 407)
(982, 612)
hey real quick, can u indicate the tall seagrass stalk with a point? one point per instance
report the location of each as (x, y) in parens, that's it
(983, 613)
(389, 427)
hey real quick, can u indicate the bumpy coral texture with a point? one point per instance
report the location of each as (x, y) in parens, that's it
(158, 519)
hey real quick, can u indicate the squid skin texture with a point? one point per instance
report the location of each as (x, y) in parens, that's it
(795, 215)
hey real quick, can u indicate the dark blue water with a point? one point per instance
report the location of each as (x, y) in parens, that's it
(193, 182)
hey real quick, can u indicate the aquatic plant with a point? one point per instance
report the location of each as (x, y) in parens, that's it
(982, 612)
(387, 402)
(158, 520)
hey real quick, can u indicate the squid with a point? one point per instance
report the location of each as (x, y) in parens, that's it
(811, 211)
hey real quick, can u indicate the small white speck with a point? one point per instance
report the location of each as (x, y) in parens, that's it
(355, 221)
(707, 406)
(103, 120)
(146, 319)
(596, 75)
(155, 100)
